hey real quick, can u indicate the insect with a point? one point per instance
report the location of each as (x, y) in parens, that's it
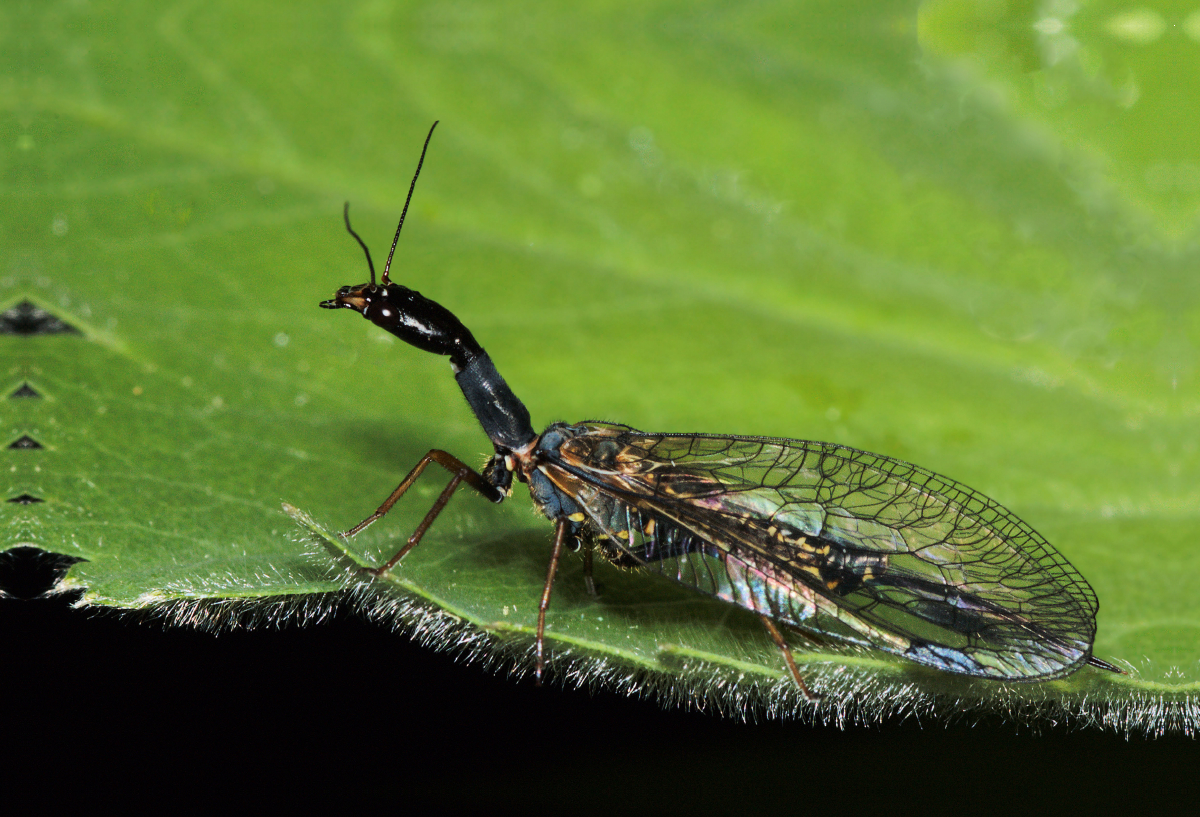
(813, 537)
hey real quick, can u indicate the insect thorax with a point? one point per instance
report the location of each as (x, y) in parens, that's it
(550, 500)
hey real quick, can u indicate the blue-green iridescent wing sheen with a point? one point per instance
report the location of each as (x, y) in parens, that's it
(836, 541)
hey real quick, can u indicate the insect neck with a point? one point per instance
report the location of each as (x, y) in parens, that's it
(501, 413)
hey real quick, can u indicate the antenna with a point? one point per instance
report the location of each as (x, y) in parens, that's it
(349, 229)
(403, 212)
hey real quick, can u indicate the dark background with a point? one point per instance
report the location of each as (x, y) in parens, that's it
(349, 716)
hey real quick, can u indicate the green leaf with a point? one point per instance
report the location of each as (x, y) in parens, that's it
(875, 226)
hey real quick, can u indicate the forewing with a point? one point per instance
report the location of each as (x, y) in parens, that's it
(855, 545)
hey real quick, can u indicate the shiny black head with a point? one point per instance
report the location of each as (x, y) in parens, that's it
(412, 317)
(402, 311)
(428, 325)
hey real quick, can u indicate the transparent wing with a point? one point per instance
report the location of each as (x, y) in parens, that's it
(839, 541)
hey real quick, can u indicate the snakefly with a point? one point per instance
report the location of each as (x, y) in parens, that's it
(813, 537)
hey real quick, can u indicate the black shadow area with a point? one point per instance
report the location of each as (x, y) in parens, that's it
(351, 717)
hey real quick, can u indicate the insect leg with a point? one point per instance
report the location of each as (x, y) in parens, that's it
(809, 636)
(560, 536)
(787, 656)
(588, 581)
(461, 472)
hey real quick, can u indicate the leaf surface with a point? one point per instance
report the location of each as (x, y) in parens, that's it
(869, 226)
